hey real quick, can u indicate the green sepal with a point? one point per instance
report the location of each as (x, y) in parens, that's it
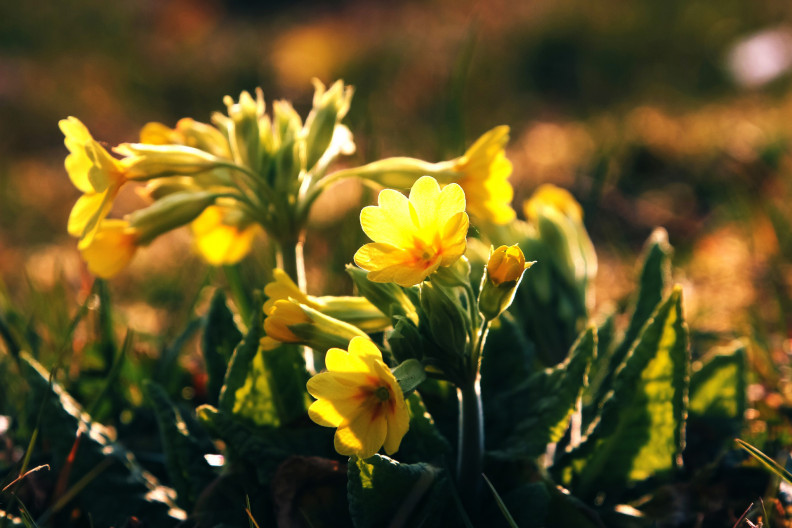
(409, 374)
(447, 322)
(389, 298)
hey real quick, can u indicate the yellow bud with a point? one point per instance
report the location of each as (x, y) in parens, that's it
(292, 322)
(284, 314)
(506, 263)
(504, 272)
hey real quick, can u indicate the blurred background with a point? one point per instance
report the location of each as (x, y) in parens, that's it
(675, 114)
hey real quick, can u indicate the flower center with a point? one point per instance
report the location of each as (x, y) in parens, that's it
(382, 394)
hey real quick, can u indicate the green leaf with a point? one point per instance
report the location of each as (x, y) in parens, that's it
(409, 374)
(220, 337)
(718, 388)
(537, 412)
(263, 448)
(62, 421)
(383, 492)
(184, 453)
(639, 433)
(655, 276)
(423, 441)
(501, 506)
(266, 387)
(717, 404)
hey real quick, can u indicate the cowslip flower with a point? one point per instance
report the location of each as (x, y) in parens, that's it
(485, 177)
(413, 237)
(292, 322)
(359, 396)
(223, 235)
(111, 249)
(357, 311)
(94, 172)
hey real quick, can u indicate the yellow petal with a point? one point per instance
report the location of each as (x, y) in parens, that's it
(334, 413)
(338, 360)
(389, 222)
(337, 385)
(111, 248)
(424, 197)
(363, 436)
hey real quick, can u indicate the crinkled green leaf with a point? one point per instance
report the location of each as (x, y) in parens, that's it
(718, 387)
(383, 492)
(640, 432)
(123, 477)
(536, 412)
(423, 442)
(264, 447)
(220, 337)
(654, 279)
(266, 387)
(184, 453)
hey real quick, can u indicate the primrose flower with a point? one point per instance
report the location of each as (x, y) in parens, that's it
(94, 172)
(111, 248)
(360, 396)
(223, 235)
(357, 311)
(485, 177)
(413, 238)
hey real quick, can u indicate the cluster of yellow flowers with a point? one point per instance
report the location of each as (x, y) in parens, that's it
(249, 172)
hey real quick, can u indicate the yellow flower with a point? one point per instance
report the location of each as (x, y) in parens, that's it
(94, 172)
(190, 133)
(485, 177)
(111, 248)
(549, 196)
(412, 238)
(357, 311)
(360, 396)
(291, 322)
(506, 264)
(223, 235)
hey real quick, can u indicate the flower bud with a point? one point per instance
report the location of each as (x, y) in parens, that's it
(329, 107)
(503, 274)
(172, 211)
(243, 127)
(145, 162)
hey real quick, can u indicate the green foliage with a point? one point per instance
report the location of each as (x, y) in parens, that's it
(639, 432)
(114, 470)
(384, 492)
(220, 337)
(266, 387)
(536, 412)
(184, 448)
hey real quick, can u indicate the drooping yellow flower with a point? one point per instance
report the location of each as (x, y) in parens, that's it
(94, 172)
(361, 397)
(111, 248)
(289, 321)
(550, 196)
(485, 177)
(412, 238)
(223, 235)
(357, 311)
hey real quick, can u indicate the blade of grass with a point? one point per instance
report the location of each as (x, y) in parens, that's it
(25, 514)
(504, 510)
(20, 477)
(769, 464)
(75, 489)
(251, 521)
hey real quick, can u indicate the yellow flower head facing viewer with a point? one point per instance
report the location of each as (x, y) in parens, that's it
(359, 396)
(223, 235)
(96, 173)
(413, 237)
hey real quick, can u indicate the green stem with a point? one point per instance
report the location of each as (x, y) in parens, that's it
(471, 444)
(471, 426)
